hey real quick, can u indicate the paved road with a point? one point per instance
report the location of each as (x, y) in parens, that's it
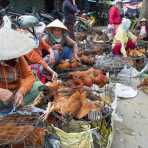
(133, 131)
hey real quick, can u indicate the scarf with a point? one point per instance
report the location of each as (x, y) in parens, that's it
(54, 39)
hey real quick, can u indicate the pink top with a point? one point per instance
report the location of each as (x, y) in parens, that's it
(114, 16)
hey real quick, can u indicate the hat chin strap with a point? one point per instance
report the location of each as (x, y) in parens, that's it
(32, 31)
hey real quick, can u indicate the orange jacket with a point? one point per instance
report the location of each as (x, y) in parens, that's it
(35, 56)
(21, 78)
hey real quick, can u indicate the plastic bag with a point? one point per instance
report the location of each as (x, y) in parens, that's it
(75, 140)
(76, 134)
(123, 91)
(129, 72)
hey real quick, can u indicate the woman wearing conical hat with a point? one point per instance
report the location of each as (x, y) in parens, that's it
(35, 57)
(143, 29)
(62, 46)
(124, 40)
(16, 78)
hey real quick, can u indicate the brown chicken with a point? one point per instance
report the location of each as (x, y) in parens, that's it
(88, 60)
(64, 65)
(68, 64)
(142, 50)
(76, 105)
(88, 81)
(64, 104)
(144, 83)
(74, 63)
(101, 80)
(136, 52)
(86, 107)
(55, 85)
(89, 77)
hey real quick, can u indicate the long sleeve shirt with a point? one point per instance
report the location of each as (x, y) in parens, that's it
(69, 11)
(35, 56)
(18, 77)
(114, 16)
(123, 37)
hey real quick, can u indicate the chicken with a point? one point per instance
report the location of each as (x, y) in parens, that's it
(55, 106)
(74, 63)
(87, 60)
(64, 65)
(101, 80)
(136, 52)
(55, 85)
(86, 107)
(69, 105)
(142, 50)
(144, 83)
(88, 81)
(89, 77)
(76, 103)
(73, 104)
(68, 64)
(39, 101)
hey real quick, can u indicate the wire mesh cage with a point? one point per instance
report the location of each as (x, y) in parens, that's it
(113, 66)
(19, 120)
(20, 132)
(91, 130)
(143, 44)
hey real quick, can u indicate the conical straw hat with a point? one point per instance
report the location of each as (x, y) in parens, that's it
(57, 24)
(14, 44)
(143, 20)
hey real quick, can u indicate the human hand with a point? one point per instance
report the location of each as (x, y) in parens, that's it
(5, 95)
(19, 99)
(52, 57)
(54, 75)
(76, 57)
(57, 47)
(46, 113)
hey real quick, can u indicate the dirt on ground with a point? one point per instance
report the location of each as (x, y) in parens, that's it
(132, 132)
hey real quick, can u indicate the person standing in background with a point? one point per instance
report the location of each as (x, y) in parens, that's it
(124, 40)
(143, 30)
(69, 9)
(17, 83)
(115, 15)
(84, 5)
